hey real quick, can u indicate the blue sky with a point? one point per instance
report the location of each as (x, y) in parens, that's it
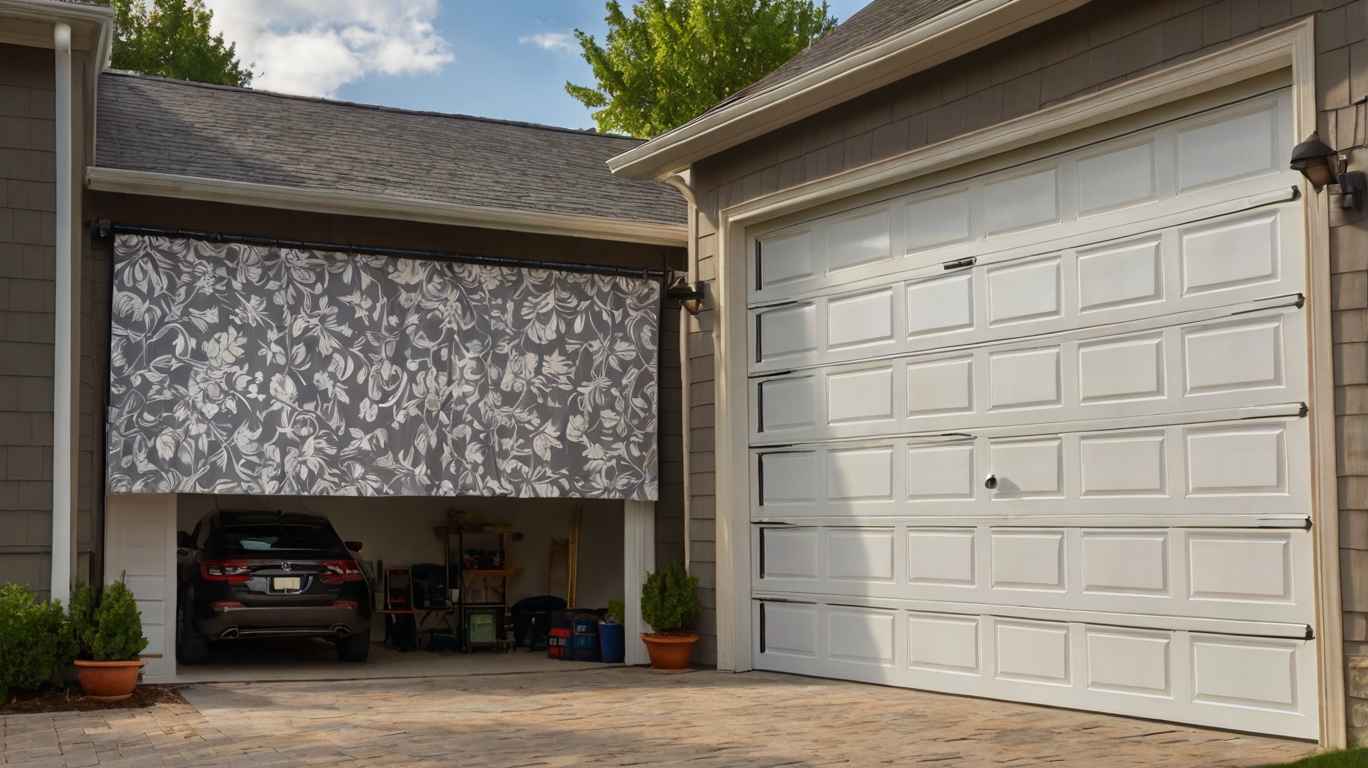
(506, 59)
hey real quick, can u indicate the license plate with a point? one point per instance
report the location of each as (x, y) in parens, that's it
(285, 583)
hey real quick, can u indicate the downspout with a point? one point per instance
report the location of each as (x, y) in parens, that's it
(63, 447)
(683, 183)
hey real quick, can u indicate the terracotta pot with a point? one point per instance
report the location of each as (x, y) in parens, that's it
(108, 680)
(669, 651)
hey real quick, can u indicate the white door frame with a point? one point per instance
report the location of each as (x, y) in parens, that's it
(1290, 47)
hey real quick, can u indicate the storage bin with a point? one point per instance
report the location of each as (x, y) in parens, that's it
(612, 648)
(558, 643)
(584, 642)
(482, 628)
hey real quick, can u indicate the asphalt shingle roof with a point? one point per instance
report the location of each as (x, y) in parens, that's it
(238, 134)
(875, 22)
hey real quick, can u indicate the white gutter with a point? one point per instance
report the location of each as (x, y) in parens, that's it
(64, 363)
(380, 206)
(953, 33)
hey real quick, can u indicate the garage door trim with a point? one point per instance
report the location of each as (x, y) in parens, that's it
(1292, 46)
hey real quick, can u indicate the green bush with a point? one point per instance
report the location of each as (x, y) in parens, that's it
(81, 618)
(112, 631)
(617, 612)
(669, 599)
(35, 643)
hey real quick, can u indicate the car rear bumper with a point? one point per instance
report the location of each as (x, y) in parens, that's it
(231, 623)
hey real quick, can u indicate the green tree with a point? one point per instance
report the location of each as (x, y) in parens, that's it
(172, 38)
(673, 59)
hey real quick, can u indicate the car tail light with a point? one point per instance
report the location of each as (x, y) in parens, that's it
(225, 605)
(349, 605)
(339, 571)
(230, 571)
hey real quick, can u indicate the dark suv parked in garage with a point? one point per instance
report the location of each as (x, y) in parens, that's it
(269, 574)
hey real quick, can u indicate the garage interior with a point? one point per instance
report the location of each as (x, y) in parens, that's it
(397, 533)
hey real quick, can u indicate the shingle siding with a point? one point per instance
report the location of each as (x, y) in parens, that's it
(1087, 49)
(27, 198)
(28, 201)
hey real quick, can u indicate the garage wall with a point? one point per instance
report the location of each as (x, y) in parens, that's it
(1097, 45)
(400, 531)
(27, 296)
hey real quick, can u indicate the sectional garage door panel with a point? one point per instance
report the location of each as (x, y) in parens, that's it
(1042, 434)
(1238, 358)
(1180, 169)
(1234, 574)
(1244, 468)
(1218, 262)
(1263, 683)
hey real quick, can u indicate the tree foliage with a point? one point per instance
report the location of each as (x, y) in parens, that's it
(673, 59)
(172, 38)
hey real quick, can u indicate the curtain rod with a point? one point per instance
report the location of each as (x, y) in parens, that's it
(104, 229)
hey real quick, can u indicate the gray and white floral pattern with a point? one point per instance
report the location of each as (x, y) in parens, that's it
(268, 370)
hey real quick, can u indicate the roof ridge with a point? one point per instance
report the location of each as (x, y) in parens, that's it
(373, 107)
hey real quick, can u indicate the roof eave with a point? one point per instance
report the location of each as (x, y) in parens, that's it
(345, 203)
(91, 22)
(953, 33)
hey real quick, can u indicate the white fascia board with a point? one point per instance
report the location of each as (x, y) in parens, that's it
(380, 206)
(953, 33)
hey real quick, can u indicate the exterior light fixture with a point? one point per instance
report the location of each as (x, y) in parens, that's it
(1322, 165)
(689, 296)
(1316, 161)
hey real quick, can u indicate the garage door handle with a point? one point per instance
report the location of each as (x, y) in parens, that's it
(990, 482)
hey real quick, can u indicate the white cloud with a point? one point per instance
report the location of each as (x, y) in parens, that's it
(561, 42)
(314, 47)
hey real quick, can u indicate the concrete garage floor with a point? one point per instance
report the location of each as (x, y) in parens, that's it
(610, 717)
(306, 659)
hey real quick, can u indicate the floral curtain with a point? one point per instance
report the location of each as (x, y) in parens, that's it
(268, 370)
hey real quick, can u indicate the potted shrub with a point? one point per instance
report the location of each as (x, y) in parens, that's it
(669, 603)
(108, 632)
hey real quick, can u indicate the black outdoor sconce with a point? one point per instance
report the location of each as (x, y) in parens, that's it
(690, 297)
(1322, 165)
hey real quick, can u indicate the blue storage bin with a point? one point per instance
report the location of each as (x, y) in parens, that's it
(612, 645)
(584, 641)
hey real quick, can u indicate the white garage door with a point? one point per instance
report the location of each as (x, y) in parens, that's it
(1040, 435)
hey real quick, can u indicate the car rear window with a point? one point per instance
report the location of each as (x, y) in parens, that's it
(266, 540)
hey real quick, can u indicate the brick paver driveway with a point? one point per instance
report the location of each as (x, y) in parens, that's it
(609, 717)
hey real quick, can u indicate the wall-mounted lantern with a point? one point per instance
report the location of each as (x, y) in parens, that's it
(689, 296)
(1322, 165)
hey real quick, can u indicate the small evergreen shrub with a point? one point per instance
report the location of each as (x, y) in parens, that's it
(669, 599)
(35, 645)
(617, 612)
(81, 618)
(113, 632)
